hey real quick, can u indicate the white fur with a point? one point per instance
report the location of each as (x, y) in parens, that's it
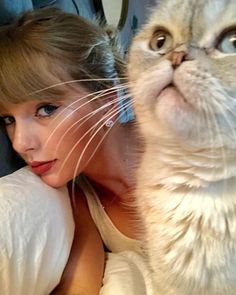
(186, 188)
(191, 238)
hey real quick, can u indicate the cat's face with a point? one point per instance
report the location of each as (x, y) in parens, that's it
(182, 68)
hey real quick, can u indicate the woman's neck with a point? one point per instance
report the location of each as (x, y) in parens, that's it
(112, 166)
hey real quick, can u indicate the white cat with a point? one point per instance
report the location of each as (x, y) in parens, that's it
(182, 70)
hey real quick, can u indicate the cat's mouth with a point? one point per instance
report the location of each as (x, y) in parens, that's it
(172, 89)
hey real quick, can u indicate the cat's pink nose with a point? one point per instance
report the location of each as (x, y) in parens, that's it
(177, 57)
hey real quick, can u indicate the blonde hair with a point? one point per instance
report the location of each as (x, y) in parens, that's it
(46, 47)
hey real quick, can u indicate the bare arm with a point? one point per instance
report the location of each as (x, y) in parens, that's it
(84, 271)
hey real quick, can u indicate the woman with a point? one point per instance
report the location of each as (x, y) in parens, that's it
(59, 106)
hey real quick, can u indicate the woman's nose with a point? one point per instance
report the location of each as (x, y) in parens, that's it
(23, 140)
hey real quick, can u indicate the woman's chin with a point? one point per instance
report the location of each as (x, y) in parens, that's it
(54, 180)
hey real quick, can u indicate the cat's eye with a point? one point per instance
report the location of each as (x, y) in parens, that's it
(227, 42)
(161, 41)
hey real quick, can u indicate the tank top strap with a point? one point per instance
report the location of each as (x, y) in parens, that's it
(113, 239)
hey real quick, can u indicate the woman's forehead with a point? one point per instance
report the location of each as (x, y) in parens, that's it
(6, 107)
(71, 96)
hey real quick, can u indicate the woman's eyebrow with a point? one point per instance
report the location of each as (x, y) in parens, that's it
(4, 111)
(5, 114)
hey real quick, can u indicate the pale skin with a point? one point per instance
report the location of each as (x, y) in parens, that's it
(37, 131)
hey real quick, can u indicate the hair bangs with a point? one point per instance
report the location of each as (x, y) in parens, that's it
(30, 76)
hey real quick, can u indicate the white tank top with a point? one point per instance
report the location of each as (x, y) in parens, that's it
(114, 240)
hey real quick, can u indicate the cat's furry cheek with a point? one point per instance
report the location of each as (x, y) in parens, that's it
(156, 104)
(146, 86)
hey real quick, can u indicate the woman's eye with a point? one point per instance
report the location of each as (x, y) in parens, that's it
(227, 43)
(7, 120)
(161, 41)
(46, 110)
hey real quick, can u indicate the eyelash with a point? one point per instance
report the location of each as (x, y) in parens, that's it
(52, 109)
(51, 112)
(4, 118)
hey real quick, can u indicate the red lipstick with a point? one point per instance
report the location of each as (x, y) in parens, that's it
(41, 167)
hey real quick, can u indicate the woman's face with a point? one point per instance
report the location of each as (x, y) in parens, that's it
(51, 136)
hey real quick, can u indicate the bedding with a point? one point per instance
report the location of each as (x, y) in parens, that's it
(36, 234)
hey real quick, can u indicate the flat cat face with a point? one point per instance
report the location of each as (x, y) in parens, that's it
(182, 69)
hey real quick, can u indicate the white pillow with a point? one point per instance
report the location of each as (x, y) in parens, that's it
(36, 234)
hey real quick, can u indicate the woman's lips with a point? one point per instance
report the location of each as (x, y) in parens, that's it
(41, 167)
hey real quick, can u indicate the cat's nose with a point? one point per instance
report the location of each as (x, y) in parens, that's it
(178, 54)
(177, 57)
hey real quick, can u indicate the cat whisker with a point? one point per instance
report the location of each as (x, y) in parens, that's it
(75, 81)
(84, 120)
(97, 147)
(74, 110)
(222, 107)
(214, 122)
(88, 131)
(100, 95)
(225, 116)
(94, 95)
(82, 154)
